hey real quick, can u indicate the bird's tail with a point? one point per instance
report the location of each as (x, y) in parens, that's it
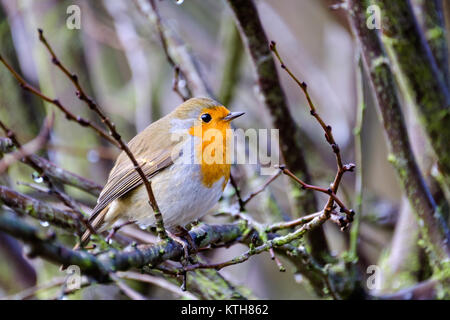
(96, 221)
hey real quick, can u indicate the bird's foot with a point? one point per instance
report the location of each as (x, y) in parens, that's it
(182, 236)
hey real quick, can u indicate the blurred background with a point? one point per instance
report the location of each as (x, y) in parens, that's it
(118, 57)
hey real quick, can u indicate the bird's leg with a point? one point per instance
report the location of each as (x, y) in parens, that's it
(182, 236)
(181, 242)
(183, 233)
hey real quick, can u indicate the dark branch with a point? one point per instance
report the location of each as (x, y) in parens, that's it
(427, 86)
(433, 228)
(113, 132)
(291, 137)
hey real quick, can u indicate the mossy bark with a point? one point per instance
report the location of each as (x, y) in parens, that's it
(433, 229)
(427, 84)
(436, 35)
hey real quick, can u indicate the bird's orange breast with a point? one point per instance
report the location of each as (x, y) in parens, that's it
(213, 149)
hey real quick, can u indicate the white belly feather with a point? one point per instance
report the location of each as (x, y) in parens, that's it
(180, 195)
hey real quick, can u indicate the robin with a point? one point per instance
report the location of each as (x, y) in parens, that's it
(185, 155)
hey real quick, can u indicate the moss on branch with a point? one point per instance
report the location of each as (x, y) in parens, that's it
(26, 205)
(434, 230)
(426, 83)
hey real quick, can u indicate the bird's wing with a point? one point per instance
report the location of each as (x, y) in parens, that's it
(153, 149)
(124, 178)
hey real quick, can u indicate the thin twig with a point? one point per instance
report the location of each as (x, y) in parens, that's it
(31, 147)
(177, 70)
(277, 261)
(262, 188)
(69, 115)
(276, 242)
(113, 132)
(359, 191)
(238, 193)
(66, 199)
(162, 283)
(65, 177)
(341, 168)
(131, 293)
(350, 213)
(293, 223)
(196, 85)
(117, 228)
(31, 292)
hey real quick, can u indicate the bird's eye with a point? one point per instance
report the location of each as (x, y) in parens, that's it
(206, 117)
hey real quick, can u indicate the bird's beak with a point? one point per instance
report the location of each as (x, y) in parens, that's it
(232, 115)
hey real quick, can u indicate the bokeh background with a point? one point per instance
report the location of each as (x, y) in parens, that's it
(118, 57)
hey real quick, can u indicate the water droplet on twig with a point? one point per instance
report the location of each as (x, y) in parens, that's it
(37, 177)
(45, 224)
(93, 156)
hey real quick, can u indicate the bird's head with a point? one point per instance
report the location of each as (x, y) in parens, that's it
(201, 115)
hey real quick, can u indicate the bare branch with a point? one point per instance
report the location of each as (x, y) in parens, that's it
(427, 87)
(69, 116)
(31, 147)
(291, 136)
(39, 210)
(66, 199)
(113, 132)
(176, 52)
(262, 188)
(156, 281)
(434, 229)
(177, 71)
(329, 138)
